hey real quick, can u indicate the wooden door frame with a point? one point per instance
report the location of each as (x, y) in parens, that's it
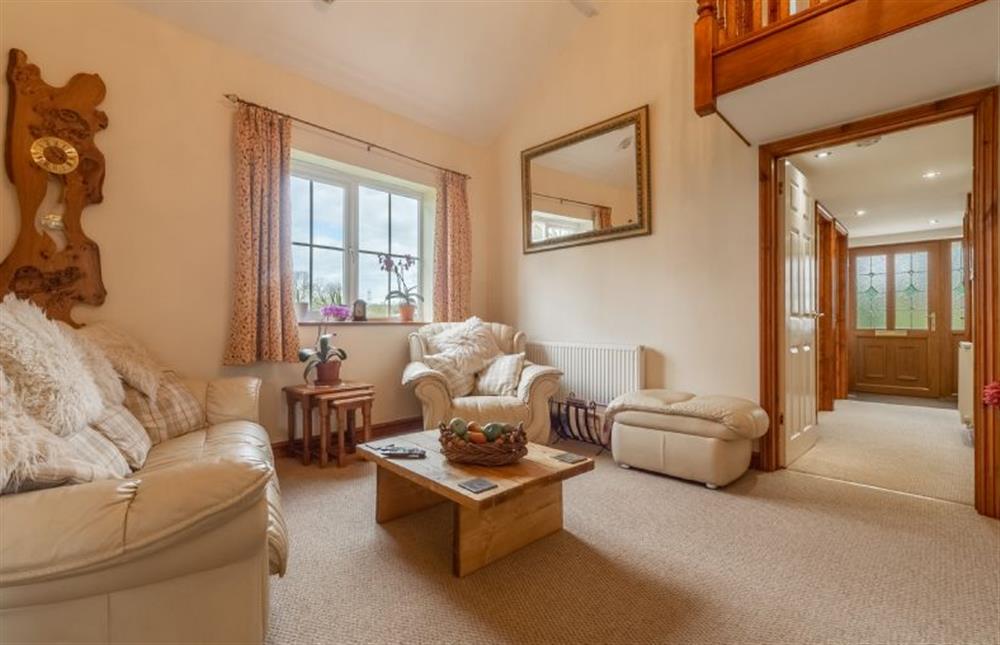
(830, 290)
(981, 105)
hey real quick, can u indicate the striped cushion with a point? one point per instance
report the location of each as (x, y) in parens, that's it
(460, 381)
(122, 428)
(175, 411)
(501, 376)
(91, 447)
(64, 471)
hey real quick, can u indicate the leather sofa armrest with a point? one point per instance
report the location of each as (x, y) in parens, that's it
(534, 378)
(90, 527)
(431, 388)
(233, 399)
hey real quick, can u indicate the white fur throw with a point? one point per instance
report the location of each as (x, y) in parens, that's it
(105, 376)
(130, 359)
(24, 444)
(470, 345)
(46, 369)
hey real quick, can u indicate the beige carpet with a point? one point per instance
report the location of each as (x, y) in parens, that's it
(773, 558)
(919, 450)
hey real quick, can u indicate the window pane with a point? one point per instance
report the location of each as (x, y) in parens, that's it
(373, 285)
(300, 271)
(328, 214)
(957, 287)
(373, 221)
(300, 210)
(411, 278)
(328, 277)
(405, 225)
(911, 290)
(871, 292)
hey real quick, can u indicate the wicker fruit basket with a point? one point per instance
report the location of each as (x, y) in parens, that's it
(507, 449)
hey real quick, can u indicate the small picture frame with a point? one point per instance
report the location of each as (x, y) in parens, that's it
(359, 311)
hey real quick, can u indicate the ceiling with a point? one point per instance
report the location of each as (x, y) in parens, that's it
(457, 67)
(885, 180)
(601, 158)
(947, 56)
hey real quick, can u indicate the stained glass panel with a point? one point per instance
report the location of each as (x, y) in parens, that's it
(957, 287)
(911, 290)
(871, 284)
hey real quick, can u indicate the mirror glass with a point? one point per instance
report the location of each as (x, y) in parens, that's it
(588, 186)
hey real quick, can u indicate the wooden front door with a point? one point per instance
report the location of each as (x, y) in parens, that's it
(799, 373)
(902, 321)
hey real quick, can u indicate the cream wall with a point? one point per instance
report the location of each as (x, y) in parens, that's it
(688, 291)
(164, 228)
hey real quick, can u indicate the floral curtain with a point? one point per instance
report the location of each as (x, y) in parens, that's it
(452, 251)
(603, 217)
(263, 326)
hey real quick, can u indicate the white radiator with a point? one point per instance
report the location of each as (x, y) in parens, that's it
(592, 372)
(965, 376)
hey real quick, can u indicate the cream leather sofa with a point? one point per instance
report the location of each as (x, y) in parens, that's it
(531, 404)
(179, 552)
(703, 438)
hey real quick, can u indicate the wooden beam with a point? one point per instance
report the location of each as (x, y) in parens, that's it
(706, 33)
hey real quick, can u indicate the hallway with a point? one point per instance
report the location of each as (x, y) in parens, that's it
(912, 449)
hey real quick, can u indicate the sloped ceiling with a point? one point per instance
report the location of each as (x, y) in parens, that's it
(457, 67)
(886, 180)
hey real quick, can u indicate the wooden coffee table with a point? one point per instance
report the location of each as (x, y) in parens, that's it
(525, 506)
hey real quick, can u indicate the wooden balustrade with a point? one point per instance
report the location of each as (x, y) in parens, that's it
(741, 42)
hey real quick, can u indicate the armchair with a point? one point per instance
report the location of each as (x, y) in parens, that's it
(531, 404)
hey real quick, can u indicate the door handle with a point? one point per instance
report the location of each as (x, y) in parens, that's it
(932, 318)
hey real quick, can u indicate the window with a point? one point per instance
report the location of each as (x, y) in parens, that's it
(340, 224)
(872, 288)
(957, 287)
(910, 286)
(545, 226)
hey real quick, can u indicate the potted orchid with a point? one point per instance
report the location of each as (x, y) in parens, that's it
(325, 358)
(408, 296)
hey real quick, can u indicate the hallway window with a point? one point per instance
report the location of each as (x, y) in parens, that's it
(911, 290)
(957, 287)
(871, 292)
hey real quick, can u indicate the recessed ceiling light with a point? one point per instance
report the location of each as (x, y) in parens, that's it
(931, 174)
(932, 221)
(860, 212)
(823, 155)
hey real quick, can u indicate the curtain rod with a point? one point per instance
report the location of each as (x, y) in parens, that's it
(235, 99)
(567, 199)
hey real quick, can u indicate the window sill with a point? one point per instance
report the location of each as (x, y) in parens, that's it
(360, 323)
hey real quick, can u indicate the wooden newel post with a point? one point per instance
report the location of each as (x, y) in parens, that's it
(706, 30)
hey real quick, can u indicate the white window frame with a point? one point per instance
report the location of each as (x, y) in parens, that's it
(352, 184)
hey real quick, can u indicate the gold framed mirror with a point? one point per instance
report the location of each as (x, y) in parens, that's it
(588, 186)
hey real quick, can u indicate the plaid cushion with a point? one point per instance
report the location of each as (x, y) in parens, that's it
(500, 378)
(175, 411)
(91, 447)
(122, 428)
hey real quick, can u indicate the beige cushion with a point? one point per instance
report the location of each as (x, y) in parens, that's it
(501, 376)
(486, 409)
(723, 417)
(90, 446)
(122, 428)
(235, 440)
(175, 411)
(460, 381)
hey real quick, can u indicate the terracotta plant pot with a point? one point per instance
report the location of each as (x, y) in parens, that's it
(406, 312)
(328, 373)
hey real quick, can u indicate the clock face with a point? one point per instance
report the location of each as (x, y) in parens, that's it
(54, 155)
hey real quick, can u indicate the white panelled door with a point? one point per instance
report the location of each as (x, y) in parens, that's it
(799, 373)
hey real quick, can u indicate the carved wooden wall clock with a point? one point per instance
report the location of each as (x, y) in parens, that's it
(50, 147)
